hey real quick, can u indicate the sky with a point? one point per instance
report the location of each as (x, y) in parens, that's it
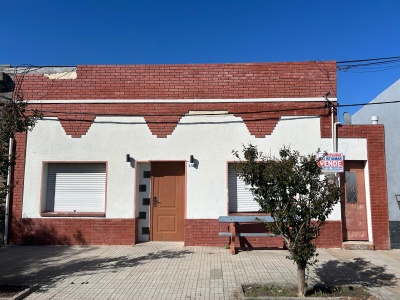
(70, 33)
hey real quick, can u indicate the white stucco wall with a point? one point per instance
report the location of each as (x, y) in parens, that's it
(388, 116)
(210, 139)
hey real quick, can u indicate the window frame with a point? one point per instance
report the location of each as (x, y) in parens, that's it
(229, 165)
(43, 192)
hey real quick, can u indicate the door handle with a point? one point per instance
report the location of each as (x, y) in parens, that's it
(155, 201)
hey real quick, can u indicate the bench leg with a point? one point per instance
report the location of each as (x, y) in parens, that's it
(232, 230)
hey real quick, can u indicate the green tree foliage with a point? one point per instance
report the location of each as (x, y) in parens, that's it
(293, 191)
(14, 118)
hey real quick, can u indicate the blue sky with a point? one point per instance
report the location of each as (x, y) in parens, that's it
(164, 32)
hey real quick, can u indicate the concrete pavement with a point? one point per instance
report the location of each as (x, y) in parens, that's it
(170, 271)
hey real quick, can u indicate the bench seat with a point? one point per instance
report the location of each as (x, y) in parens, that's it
(234, 220)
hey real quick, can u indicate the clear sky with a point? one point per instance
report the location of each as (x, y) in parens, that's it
(76, 32)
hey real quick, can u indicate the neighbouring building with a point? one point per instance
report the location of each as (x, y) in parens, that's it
(386, 113)
(132, 153)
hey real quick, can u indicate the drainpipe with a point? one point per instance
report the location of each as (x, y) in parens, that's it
(334, 129)
(335, 143)
(7, 209)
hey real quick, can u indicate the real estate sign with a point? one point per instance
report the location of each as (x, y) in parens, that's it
(331, 162)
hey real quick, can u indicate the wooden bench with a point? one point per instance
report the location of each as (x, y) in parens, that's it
(235, 220)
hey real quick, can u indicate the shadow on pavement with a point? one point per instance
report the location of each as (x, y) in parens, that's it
(359, 272)
(46, 265)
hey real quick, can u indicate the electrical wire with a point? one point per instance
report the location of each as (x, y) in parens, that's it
(369, 103)
(200, 114)
(337, 105)
(371, 65)
(368, 59)
(346, 66)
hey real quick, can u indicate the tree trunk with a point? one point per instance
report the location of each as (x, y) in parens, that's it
(301, 278)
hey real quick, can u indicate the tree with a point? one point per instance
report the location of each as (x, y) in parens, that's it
(14, 118)
(293, 191)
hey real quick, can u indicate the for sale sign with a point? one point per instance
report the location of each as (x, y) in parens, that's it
(331, 162)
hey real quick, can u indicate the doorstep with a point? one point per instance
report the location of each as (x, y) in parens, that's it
(358, 245)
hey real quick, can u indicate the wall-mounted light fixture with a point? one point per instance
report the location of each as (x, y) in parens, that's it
(128, 158)
(191, 161)
(398, 200)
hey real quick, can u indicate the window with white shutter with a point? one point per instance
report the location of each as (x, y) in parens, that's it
(75, 187)
(240, 197)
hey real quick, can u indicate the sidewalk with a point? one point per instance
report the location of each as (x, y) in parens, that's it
(171, 271)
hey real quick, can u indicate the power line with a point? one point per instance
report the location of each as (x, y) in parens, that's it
(371, 65)
(368, 59)
(198, 114)
(369, 103)
(224, 113)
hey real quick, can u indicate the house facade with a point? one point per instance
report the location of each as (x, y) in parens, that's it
(385, 107)
(133, 153)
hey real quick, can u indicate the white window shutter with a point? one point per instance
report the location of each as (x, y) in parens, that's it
(240, 197)
(76, 187)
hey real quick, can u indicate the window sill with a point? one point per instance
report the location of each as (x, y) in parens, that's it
(73, 214)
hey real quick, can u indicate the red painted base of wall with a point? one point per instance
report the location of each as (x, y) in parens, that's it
(331, 235)
(73, 231)
(205, 233)
(99, 231)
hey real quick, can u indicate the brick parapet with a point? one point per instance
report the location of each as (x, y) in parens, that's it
(187, 81)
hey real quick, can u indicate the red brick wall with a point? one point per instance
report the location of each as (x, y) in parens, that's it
(210, 81)
(18, 178)
(200, 232)
(196, 81)
(76, 125)
(377, 178)
(331, 235)
(73, 231)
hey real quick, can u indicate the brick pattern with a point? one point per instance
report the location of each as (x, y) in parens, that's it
(190, 81)
(377, 178)
(73, 231)
(202, 81)
(162, 126)
(204, 232)
(76, 125)
(331, 235)
(18, 176)
(162, 119)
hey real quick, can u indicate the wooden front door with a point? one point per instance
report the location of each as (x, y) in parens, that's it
(354, 210)
(167, 201)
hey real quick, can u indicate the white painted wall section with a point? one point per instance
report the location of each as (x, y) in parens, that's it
(210, 139)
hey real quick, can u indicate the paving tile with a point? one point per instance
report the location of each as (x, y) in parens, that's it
(171, 271)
